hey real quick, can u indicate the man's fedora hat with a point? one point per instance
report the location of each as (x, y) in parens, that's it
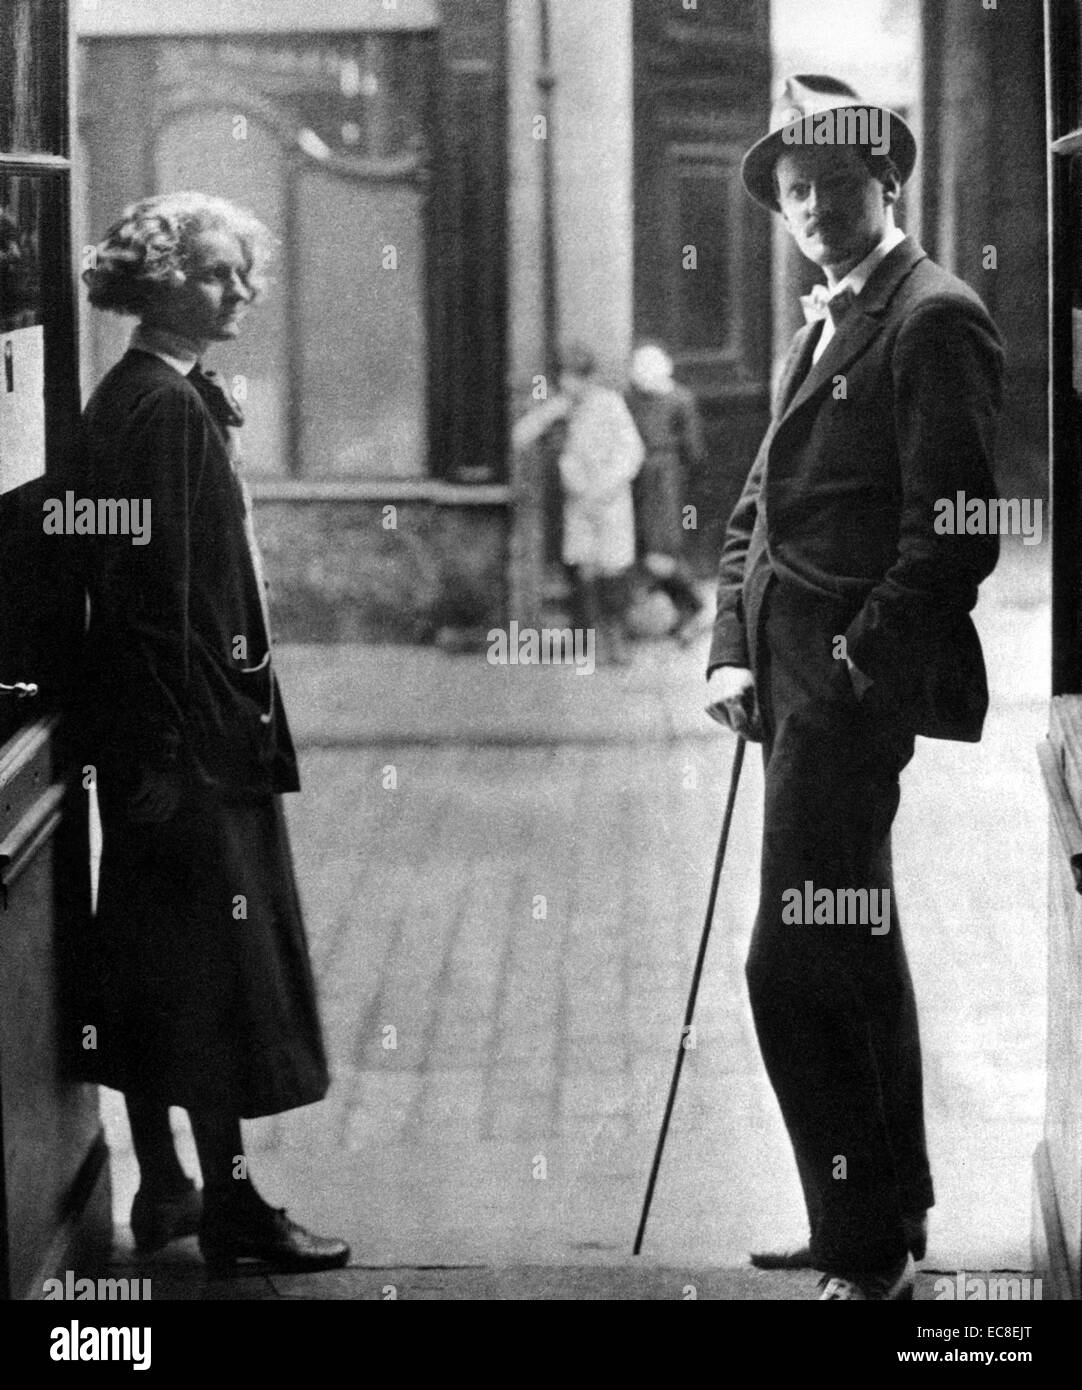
(814, 110)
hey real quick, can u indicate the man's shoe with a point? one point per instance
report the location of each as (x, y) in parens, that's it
(882, 1286)
(156, 1219)
(916, 1236)
(271, 1238)
(800, 1258)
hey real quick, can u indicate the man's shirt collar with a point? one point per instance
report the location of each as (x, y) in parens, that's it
(851, 286)
(861, 273)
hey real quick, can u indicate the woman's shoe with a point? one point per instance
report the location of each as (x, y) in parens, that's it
(157, 1219)
(271, 1238)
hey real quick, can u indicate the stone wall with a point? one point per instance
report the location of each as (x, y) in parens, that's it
(338, 574)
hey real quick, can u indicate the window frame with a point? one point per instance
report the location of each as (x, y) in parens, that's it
(53, 168)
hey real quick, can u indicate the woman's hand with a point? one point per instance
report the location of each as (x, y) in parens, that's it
(156, 796)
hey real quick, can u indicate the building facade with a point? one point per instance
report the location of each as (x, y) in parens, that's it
(371, 139)
(456, 185)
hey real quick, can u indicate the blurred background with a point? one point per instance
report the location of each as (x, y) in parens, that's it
(458, 185)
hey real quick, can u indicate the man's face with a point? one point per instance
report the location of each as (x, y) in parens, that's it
(210, 303)
(831, 204)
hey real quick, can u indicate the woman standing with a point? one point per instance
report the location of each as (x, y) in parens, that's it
(202, 989)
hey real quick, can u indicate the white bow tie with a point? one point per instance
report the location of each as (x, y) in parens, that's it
(821, 304)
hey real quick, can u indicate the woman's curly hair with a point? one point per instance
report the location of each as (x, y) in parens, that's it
(149, 248)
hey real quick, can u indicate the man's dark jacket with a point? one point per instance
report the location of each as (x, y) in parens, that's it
(178, 668)
(898, 413)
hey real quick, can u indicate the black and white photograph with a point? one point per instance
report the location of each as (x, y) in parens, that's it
(540, 666)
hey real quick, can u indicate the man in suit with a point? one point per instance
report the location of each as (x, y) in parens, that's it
(843, 631)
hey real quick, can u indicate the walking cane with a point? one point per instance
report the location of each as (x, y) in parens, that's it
(719, 860)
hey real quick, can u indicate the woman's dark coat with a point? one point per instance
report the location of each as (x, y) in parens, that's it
(177, 640)
(198, 976)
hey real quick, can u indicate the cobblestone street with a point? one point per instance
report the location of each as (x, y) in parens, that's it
(505, 872)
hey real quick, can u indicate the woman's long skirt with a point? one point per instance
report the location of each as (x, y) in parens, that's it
(199, 985)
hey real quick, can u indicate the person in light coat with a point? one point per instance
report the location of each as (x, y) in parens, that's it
(602, 454)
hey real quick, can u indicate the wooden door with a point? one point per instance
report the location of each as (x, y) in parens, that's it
(702, 247)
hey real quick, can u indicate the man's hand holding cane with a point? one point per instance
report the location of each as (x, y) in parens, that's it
(733, 702)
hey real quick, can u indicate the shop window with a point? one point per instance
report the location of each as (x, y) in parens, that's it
(326, 139)
(32, 114)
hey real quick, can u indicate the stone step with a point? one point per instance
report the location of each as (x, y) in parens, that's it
(179, 1275)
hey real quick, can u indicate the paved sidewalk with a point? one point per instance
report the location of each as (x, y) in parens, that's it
(505, 870)
(179, 1277)
(353, 696)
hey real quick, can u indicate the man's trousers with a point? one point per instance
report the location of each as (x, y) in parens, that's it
(832, 997)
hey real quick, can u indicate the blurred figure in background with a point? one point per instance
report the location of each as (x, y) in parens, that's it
(601, 456)
(668, 422)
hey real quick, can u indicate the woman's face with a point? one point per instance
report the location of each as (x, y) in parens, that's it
(209, 305)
